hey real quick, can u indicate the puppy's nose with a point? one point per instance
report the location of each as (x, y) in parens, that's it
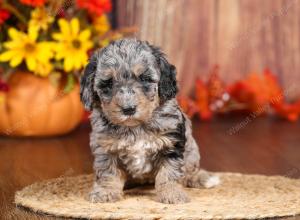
(129, 110)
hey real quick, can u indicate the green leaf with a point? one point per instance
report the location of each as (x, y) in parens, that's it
(70, 83)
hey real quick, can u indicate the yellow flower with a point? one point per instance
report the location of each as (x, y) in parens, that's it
(43, 69)
(40, 19)
(72, 44)
(101, 24)
(24, 47)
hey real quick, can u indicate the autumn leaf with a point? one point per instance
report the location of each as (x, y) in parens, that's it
(202, 100)
(187, 105)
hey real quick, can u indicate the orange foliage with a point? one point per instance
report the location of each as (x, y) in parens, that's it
(202, 100)
(215, 85)
(187, 105)
(255, 93)
(288, 111)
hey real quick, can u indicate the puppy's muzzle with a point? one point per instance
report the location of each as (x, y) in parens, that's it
(126, 99)
(128, 111)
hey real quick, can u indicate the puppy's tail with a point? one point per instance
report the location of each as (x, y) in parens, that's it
(201, 179)
(208, 179)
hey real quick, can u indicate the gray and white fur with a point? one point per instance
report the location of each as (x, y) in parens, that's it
(139, 133)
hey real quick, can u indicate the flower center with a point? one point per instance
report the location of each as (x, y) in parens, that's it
(29, 47)
(76, 44)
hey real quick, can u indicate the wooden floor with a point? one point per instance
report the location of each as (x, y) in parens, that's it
(263, 146)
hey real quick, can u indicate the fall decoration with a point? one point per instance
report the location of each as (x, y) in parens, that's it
(72, 45)
(97, 7)
(24, 47)
(53, 36)
(257, 94)
(101, 24)
(33, 2)
(4, 15)
(40, 19)
(33, 106)
(52, 40)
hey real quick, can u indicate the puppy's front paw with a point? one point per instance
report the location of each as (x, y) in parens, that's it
(105, 195)
(172, 195)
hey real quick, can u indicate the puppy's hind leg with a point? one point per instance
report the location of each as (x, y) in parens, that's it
(194, 176)
(200, 179)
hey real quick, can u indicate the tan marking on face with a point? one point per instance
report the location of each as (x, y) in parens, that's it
(147, 107)
(108, 73)
(144, 111)
(138, 69)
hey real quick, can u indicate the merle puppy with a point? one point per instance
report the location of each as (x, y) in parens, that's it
(139, 134)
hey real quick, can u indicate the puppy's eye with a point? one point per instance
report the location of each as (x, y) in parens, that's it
(145, 77)
(106, 85)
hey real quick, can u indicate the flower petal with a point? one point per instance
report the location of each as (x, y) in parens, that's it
(64, 27)
(58, 36)
(16, 60)
(77, 62)
(33, 33)
(84, 35)
(31, 63)
(75, 27)
(14, 34)
(12, 44)
(68, 64)
(6, 56)
(45, 51)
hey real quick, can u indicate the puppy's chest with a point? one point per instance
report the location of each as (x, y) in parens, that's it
(138, 154)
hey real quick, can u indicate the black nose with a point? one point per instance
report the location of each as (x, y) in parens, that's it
(129, 110)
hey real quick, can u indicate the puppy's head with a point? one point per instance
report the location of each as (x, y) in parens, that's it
(128, 80)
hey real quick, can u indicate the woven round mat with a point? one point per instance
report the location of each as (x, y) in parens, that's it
(239, 196)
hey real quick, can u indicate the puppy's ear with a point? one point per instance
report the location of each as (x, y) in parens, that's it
(87, 94)
(167, 86)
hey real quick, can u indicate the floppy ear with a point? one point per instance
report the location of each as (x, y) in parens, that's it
(167, 86)
(87, 94)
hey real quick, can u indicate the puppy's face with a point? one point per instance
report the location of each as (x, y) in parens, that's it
(127, 89)
(128, 80)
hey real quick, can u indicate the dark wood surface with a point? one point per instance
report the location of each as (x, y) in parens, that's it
(264, 146)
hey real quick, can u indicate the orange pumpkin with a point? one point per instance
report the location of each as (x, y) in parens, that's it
(35, 107)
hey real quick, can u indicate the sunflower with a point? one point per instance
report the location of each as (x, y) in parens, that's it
(43, 69)
(72, 44)
(40, 19)
(24, 47)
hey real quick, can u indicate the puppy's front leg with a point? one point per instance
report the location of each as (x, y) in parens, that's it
(168, 189)
(109, 183)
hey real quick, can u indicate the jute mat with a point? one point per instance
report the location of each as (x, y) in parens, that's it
(239, 196)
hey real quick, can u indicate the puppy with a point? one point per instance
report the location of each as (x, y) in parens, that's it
(139, 134)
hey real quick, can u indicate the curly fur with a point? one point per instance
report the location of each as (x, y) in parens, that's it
(154, 144)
